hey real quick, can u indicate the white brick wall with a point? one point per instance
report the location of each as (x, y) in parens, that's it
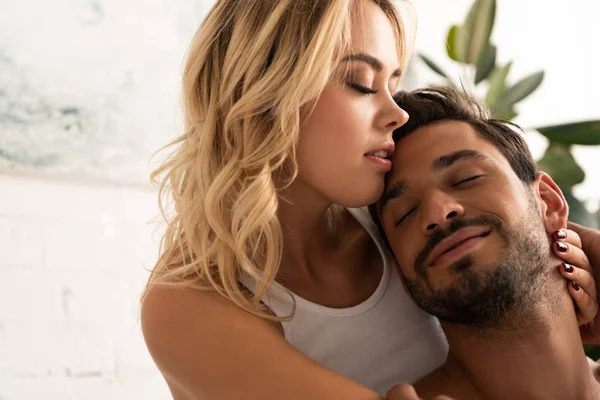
(73, 260)
(72, 254)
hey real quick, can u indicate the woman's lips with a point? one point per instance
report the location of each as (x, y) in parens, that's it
(383, 163)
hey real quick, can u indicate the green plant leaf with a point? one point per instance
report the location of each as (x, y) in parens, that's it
(560, 164)
(577, 211)
(520, 90)
(506, 115)
(478, 28)
(585, 133)
(434, 67)
(497, 84)
(486, 63)
(455, 44)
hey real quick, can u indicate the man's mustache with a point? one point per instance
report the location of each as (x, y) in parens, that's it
(440, 234)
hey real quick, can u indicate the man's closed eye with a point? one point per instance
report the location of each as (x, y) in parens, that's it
(405, 216)
(468, 180)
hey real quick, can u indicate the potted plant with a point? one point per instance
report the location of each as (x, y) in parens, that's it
(470, 46)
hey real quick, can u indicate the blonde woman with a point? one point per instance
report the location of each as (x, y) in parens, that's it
(272, 281)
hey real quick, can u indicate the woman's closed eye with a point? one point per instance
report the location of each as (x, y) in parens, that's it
(362, 89)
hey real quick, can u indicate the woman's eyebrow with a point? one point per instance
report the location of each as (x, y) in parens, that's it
(375, 63)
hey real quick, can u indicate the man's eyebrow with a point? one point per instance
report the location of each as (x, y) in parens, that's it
(394, 192)
(372, 61)
(447, 161)
(443, 162)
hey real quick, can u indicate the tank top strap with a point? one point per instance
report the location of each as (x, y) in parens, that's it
(283, 302)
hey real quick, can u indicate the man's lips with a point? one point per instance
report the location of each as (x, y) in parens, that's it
(455, 240)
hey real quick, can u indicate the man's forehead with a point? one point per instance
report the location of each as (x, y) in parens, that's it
(432, 141)
(420, 149)
(436, 139)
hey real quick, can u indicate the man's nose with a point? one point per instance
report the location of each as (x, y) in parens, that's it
(439, 210)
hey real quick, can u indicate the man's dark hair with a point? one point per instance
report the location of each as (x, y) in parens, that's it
(426, 106)
(430, 105)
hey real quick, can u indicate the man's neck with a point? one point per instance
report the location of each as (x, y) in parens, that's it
(538, 357)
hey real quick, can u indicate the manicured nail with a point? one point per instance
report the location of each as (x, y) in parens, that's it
(568, 268)
(575, 286)
(560, 235)
(561, 247)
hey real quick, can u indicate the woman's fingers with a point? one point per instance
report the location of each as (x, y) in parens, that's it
(587, 241)
(568, 236)
(582, 288)
(590, 241)
(572, 255)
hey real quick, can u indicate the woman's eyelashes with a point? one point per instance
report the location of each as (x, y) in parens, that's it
(362, 89)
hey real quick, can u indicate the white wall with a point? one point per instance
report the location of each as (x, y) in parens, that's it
(73, 261)
(73, 251)
(115, 64)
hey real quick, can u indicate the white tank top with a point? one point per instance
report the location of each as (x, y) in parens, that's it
(379, 343)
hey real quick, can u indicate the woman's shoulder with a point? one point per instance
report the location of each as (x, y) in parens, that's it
(166, 310)
(208, 347)
(187, 326)
(167, 313)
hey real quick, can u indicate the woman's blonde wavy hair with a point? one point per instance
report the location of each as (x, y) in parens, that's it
(251, 66)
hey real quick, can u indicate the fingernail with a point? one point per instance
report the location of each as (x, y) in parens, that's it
(568, 268)
(575, 286)
(561, 247)
(560, 234)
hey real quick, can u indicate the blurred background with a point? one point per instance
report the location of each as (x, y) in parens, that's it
(89, 90)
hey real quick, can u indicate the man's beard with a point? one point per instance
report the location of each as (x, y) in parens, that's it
(482, 299)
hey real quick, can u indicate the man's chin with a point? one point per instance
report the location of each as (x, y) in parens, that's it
(496, 279)
(461, 272)
(473, 294)
(440, 278)
(468, 262)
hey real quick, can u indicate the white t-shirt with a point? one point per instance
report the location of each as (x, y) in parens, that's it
(381, 342)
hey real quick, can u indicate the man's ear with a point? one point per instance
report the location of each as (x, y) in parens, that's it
(554, 207)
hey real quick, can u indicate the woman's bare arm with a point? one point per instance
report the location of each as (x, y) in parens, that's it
(210, 349)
